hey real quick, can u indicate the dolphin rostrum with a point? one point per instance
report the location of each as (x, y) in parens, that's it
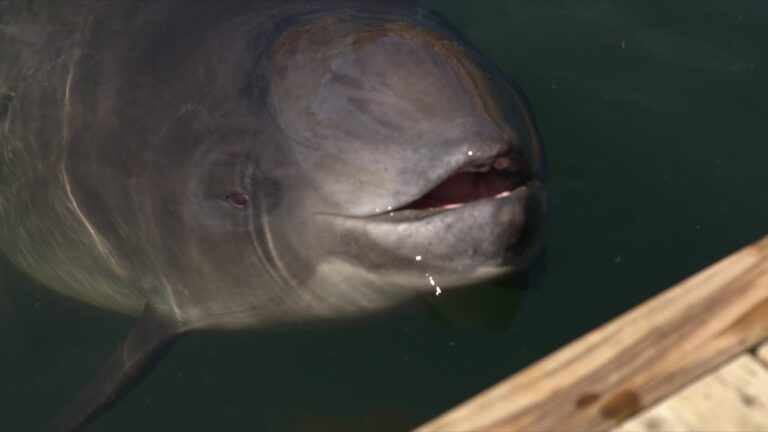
(227, 165)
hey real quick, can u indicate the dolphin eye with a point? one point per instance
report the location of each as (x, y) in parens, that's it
(237, 199)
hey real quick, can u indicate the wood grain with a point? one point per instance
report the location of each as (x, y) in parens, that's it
(733, 398)
(762, 353)
(660, 418)
(635, 360)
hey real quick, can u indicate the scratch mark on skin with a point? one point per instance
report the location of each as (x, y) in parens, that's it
(172, 299)
(254, 230)
(100, 243)
(270, 244)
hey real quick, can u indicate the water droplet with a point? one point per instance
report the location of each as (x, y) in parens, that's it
(432, 282)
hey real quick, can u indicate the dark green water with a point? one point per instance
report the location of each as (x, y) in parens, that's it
(656, 121)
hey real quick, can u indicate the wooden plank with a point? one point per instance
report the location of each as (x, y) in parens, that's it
(734, 398)
(762, 353)
(634, 361)
(660, 418)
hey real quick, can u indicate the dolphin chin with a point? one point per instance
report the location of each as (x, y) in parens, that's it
(456, 241)
(473, 221)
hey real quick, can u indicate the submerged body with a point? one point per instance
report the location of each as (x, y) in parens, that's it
(231, 165)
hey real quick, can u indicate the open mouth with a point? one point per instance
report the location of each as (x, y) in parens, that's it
(495, 177)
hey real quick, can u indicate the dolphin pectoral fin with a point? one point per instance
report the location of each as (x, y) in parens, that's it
(145, 346)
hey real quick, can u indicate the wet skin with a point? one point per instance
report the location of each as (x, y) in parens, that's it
(234, 165)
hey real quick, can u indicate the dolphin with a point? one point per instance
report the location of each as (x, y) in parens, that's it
(231, 165)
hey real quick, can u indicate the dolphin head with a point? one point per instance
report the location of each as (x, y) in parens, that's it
(358, 160)
(420, 162)
(239, 165)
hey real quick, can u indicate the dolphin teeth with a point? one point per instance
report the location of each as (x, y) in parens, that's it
(503, 163)
(508, 162)
(499, 163)
(447, 206)
(484, 167)
(491, 177)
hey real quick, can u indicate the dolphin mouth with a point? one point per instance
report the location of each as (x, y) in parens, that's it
(495, 177)
(478, 220)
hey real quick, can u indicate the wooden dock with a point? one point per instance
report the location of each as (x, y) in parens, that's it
(688, 359)
(732, 398)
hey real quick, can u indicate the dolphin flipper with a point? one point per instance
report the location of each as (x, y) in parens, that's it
(145, 346)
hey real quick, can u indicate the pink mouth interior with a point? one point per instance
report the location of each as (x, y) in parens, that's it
(465, 187)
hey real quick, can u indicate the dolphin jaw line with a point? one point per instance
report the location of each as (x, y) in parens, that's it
(493, 178)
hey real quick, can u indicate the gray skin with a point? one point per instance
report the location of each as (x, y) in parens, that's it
(222, 165)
